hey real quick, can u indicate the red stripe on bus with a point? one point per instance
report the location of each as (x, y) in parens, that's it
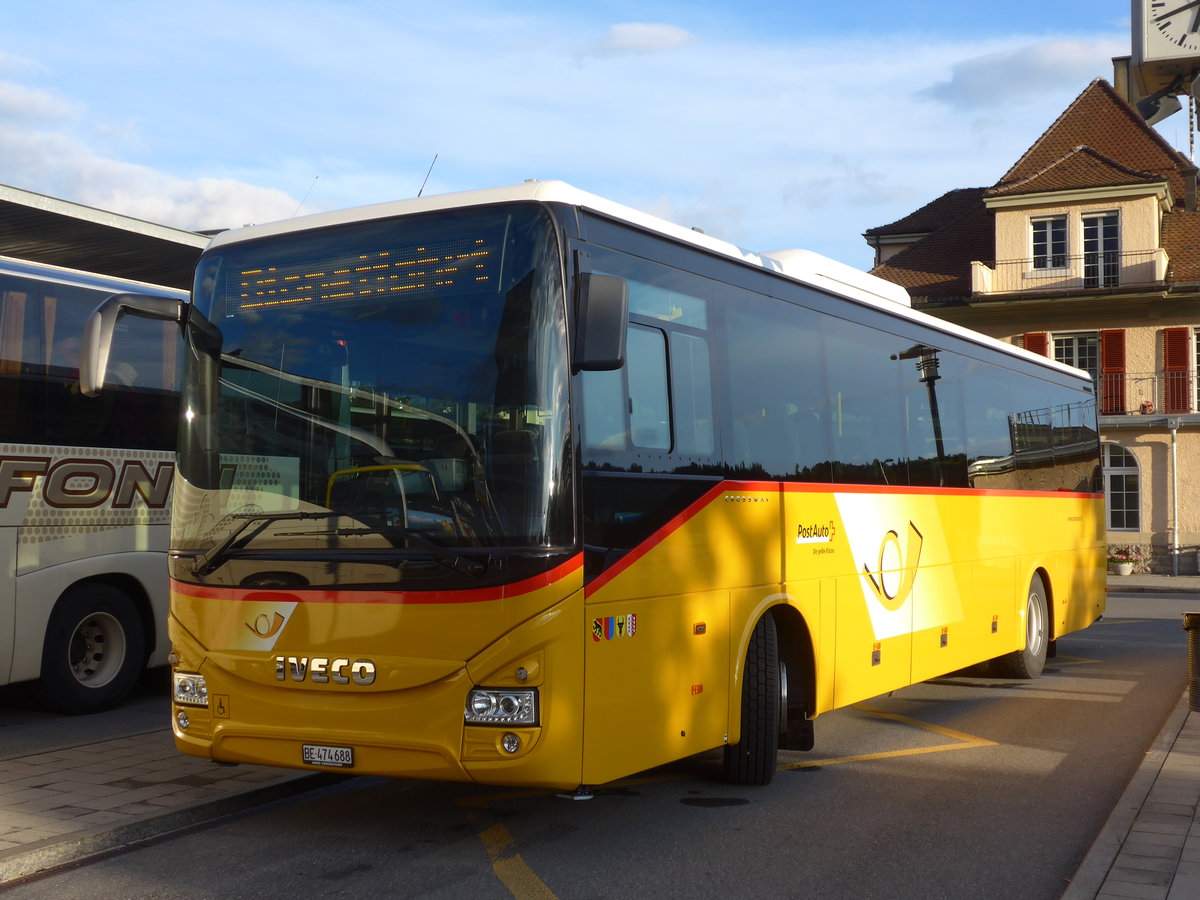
(333, 595)
(810, 488)
(674, 524)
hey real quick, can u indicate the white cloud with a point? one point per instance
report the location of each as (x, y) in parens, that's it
(11, 63)
(841, 180)
(995, 79)
(25, 103)
(193, 205)
(62, 166)
(640, 37)
(766, 141)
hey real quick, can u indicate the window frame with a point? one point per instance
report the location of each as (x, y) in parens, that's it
(1110, 470)
(1076, 337)
(1053, 260)
(1106, 261)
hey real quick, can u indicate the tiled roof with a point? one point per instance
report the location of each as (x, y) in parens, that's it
(933, 215)
(1098, 141)
(1098, 118)
(1181, 240)
(1082, 167)
(940, 265)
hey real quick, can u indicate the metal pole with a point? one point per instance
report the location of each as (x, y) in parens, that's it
(1173, 424)
(1191, 624)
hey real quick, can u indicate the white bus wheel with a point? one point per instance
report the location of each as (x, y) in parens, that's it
(1029, 662)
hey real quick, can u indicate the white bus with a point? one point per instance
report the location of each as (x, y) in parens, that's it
(85, 487)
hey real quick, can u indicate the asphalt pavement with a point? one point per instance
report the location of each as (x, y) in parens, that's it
(65, 803)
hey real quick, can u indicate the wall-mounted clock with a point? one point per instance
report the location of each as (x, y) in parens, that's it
(1166, 30)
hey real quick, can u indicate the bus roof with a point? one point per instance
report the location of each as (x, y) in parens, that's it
(804, 266)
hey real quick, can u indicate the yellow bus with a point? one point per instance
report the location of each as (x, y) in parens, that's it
(521, 486)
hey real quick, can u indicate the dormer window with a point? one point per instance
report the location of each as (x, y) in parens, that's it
(1101, 250)
(1049, 242)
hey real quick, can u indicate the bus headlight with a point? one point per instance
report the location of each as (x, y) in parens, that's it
(189, 689)
(492, 706)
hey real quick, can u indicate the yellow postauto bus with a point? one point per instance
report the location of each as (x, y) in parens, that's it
(521, 486)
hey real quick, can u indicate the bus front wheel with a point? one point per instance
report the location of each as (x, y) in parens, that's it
(752, 759)
(1029, 662)
(93, 651)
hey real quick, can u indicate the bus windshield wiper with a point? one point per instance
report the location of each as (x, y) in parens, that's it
(456, 561)
(210, 560)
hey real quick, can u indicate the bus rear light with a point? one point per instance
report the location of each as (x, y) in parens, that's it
(486, 706)
(189, 689)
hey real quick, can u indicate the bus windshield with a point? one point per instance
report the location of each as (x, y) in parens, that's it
(378, 392)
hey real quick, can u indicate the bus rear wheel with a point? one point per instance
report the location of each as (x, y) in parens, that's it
(1029, 662)
(752, 759)
(93, 651)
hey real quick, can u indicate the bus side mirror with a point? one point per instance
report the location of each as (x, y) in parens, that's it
(603, 310)
(98, 332)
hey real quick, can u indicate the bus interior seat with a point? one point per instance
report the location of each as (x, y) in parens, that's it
(449, 463)
(512, 461)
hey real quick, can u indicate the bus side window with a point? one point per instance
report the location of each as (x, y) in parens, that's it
(691, 391)
(649, 416)
(933, 405)
(20, 406)
(663, 397)
(604, 411)
(777, 422)
(864, 369)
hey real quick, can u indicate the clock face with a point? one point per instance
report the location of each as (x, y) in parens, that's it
(1172, 27)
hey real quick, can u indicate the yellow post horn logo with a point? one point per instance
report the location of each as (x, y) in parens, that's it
(892, 582)
(266, 627)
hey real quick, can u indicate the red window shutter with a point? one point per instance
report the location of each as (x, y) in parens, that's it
(1177, 393)
(1112, 372)
(1038, 342)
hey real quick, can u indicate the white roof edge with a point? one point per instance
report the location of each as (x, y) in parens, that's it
(101, 217)
(804, 266)
(13, 265)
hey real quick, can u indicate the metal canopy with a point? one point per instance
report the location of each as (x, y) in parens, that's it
(43, 229)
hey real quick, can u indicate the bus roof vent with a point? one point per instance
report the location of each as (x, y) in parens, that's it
(821, 271)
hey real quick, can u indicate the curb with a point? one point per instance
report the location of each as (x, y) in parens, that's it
(1089, 877)
(53, 853)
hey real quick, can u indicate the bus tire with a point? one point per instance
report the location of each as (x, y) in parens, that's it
(1029, 662)
(752, 759)
(93, 652)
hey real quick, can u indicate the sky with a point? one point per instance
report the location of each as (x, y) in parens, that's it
(773, 124)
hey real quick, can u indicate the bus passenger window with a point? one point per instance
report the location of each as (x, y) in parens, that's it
(604, 411)
(648, 412)
(692, 385)
(864, 371)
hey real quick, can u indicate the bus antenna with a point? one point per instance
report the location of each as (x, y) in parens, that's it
(427, 174)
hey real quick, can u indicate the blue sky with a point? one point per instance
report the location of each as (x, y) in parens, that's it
(771, 124)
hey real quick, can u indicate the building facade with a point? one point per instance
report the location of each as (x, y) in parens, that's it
(1087, 250)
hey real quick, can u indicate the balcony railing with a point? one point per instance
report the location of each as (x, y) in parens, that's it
(1145, 393)
(1084, 272)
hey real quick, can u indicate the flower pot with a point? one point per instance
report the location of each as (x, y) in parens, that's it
(1122, 568)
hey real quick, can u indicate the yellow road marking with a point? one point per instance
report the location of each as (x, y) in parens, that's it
(1073, 661)
(965, 742)
(510, 868)
(523, 884)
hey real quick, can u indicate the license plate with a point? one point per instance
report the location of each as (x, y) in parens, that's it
(323, 755)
